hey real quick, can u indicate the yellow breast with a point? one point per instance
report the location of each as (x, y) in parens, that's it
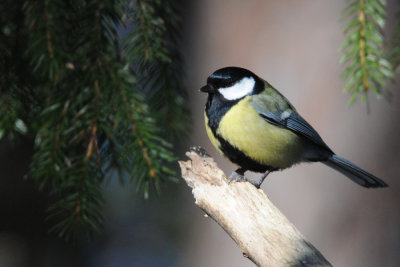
(268, 144)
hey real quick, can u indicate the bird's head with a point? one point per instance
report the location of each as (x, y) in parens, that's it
(233, 83)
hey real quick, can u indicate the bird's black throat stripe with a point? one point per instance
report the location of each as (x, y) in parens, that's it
(215, 111)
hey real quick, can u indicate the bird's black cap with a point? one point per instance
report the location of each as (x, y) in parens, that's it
(228, 76)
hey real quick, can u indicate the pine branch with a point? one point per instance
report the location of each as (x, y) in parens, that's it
(86, 108)
(367, 67)
(394, 52)
(153, 49)
(16, 98)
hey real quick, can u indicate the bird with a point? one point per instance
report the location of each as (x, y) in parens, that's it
(253, 125)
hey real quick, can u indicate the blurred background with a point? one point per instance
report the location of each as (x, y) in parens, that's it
(295, 46)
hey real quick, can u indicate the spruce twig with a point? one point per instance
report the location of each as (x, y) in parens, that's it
(86, 107)
(367, 68)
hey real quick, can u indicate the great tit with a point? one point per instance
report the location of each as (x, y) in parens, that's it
(258, 129)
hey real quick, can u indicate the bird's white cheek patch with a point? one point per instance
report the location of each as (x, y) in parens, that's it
(239, 89)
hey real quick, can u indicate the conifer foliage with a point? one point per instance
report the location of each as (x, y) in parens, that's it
(394, 46)
(368, 66)
(94, 101)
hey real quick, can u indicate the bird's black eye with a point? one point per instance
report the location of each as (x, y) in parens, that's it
(220, 82)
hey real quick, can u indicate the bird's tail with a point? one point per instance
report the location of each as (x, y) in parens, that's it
(354, 172)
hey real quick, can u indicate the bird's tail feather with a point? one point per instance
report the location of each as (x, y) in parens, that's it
(354, 172)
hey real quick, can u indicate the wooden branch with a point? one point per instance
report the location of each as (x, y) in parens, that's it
(263, 233)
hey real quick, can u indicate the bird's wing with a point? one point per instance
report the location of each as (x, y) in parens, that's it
(282, 114)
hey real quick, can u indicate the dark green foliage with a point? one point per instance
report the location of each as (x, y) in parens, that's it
(155, 34)
(363, 50)
(394, 52)
(70, 83)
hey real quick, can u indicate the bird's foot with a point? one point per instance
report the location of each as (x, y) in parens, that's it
(260, 180)
(237, 177)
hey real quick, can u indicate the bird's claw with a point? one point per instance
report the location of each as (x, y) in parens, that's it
(236, 177)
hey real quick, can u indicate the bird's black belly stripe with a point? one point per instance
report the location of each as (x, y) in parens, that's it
(239, 158)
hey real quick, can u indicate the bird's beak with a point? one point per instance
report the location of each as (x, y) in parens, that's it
(206, 89)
